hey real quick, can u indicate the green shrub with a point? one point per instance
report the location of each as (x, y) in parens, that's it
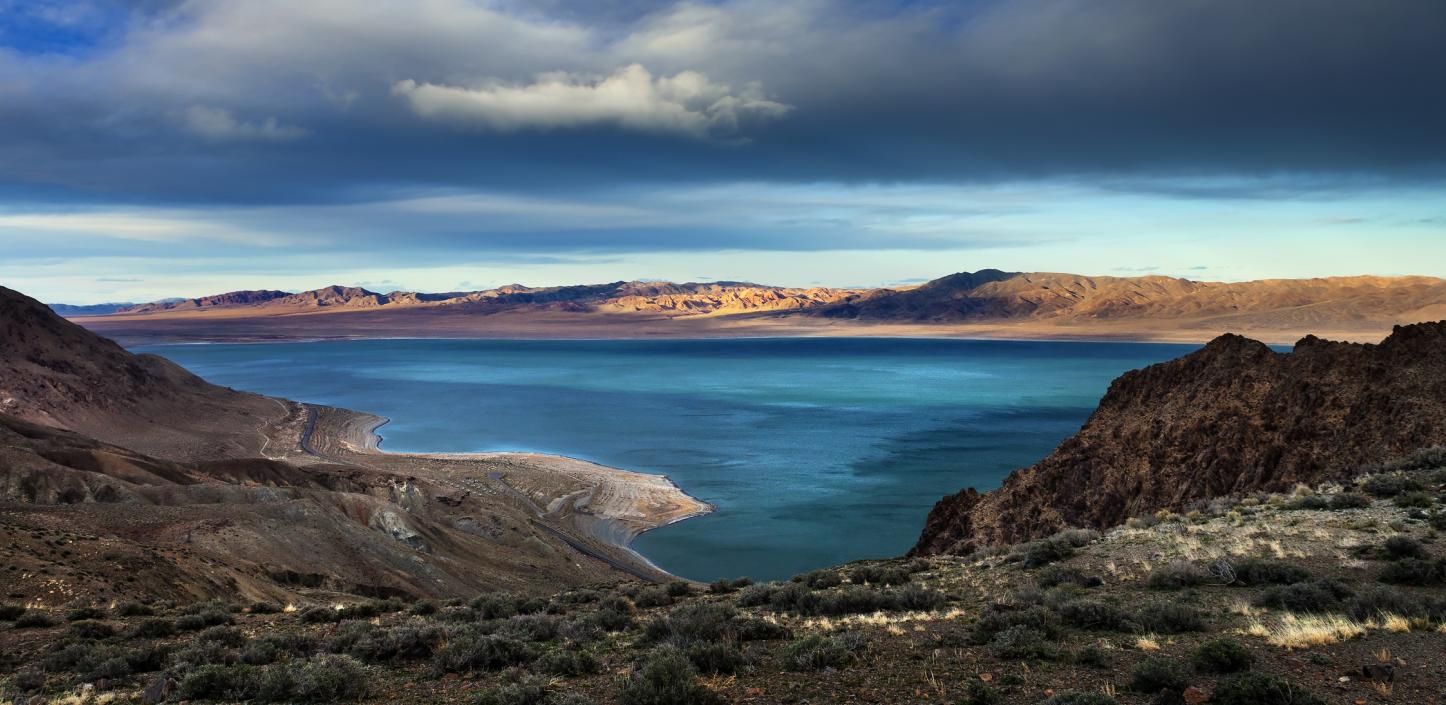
(678, 588)
(1256, 571)
(653, 597)
(329, 679)
(154, 628)
(85, 613)
(1259, 689)
(880, 575)
(851, 600)
(1065, 575)
(761, 630)
(1375, 601)
(723, 586)
(981, 693)
(1178, 575)
(1223, 655)
(1438, 520)
(134, 609)
(1390, 485)
(226, 636)
(1158, 673)
(997, 618)
(1079, 698)
(10, 613)
(918, 598)
(263, 608)
(1094, 614)
(1412, 571)
(666, 678)
(756, 595)
(820, 579)
(691, 624)
(1415, 500)
(1171, 618)
(90, 629)
(716, 657)
(270, 648)
(218, 682)
(480, 652)
(1021, 642)
(27, 681)
(422, 608)
(33, 619)
(531, 627)
(567, 662)
(1094, 656)
(523, 691)
(1349, 500)
(1398, 547)
(818, 651)
(1314, 596)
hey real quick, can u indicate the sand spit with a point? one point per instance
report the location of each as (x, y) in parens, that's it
(596, 509)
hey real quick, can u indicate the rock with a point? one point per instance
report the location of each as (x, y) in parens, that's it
(1380, 672)
(159, 690)
(1231, 418)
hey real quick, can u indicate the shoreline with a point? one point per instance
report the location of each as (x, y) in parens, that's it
(613, 531)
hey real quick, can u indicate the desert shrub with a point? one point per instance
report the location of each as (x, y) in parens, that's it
(1158, 673)
(820, 579)
(27, 681)
(851, 600)
(1414, 500)
(918, 598)
(997, 618)
(1253, 688)
(879, 575)
(1178, 575)
(79, 657)
(1430, 458)
(1412, 571)
(819, 651)
(678, 588)
(666, 678)
(1094, 614)
(723, 586)
(1079, 698)
(761, 630)
(271, 647)
(756, 595)
(523, 691)
(457, 615)
(469, 651)
(1437, 520)
(1314, 596)
(1021, 642)
(1054, 576)
(531, 627)
(154, 628)
(653, 597)
(1257, 571)
(1171, 618)
(201, 654)
(496, 606)
(1045, 551)
(33, 619)
(698, 623)
(1374, 601)
(410, 640)
(1349, 500)
(84, 613)
(1309, 501)
(422, 608)
(981, 693)
(1223, 655)
(717, 657)
(1094, 656)
(330, 678)
(10, 613)
(226, 636)
(90, 629)
(260, 607)
(1391, 484)
(567, 662)
(218, 682)
(134, 609)
(1398, 547)
(189, 622)
(787, 597)
(259, 652)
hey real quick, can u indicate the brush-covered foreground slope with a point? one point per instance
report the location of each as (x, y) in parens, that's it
(191, 490)
(1232, 417)
(1332, 596)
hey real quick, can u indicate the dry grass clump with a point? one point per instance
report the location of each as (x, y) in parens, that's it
(1299, 631)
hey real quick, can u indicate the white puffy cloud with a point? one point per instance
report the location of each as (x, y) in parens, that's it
(220, 125)
(632, 97)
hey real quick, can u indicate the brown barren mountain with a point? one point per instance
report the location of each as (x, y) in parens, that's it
(1231, 418)
(172, 487)
(987, 303)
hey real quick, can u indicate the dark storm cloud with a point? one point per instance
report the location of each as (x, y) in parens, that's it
(269, 102)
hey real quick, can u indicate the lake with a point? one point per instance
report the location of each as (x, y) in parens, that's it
(815, 451)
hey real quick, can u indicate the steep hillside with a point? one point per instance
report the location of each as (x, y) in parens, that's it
(1233, 417)
(234, 298)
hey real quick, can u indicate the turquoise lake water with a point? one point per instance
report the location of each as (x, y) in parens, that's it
(815, 451)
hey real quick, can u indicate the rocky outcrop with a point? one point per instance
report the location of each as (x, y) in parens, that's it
(234, 298)
(1231, 418)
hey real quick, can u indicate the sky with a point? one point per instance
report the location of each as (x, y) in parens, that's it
(159, 148)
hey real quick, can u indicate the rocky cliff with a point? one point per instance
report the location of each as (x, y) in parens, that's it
(1233, 417)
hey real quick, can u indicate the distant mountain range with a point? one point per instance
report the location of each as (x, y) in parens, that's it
(986, 302)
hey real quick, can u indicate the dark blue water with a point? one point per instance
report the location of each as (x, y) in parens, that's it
(814, 451)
